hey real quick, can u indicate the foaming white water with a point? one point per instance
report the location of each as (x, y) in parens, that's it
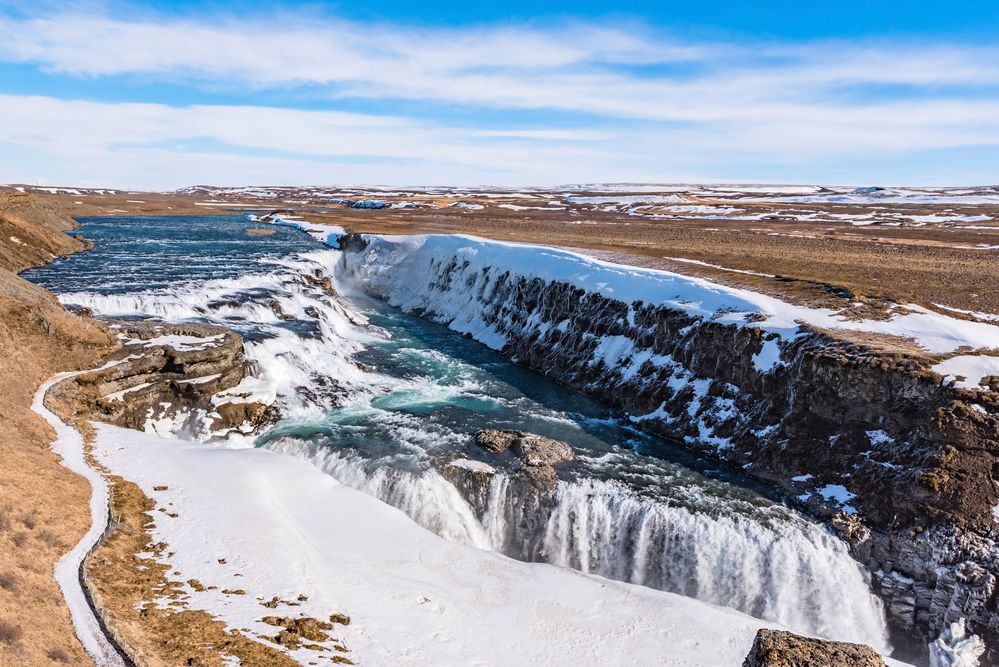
(787, 570)
(780, 568)
(303, 372)
(424, 495)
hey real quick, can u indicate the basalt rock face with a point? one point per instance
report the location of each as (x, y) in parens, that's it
(168, 373)
(777, 648)
(536, 455)
(860, 431)
(527, 485)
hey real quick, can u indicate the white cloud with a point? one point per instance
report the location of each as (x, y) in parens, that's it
(661, 107)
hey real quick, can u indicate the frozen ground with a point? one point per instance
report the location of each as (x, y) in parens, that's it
(413, 598)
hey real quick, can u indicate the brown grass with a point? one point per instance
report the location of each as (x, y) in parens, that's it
(58, 655)
(125, 584)
(43, 506)
(9, 633)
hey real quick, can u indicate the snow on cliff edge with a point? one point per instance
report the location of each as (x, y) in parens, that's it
(403, 267)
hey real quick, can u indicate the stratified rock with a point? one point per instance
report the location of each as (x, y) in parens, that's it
(777, 648)
(167, 372)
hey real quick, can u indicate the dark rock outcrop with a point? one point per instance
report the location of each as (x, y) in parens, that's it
(777, 648)
(167, 372)
(537, 456)
(528, 471)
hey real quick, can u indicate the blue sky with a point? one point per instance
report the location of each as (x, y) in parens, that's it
(164, 94)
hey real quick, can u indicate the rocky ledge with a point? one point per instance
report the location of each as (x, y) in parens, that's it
(777, 648)
(528, 464)
(166, 378)
(536, 456)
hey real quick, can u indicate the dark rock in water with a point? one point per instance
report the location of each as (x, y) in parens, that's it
(523, 491)
(531, 449)
(537, 455)
(279, 312)
(777, 648)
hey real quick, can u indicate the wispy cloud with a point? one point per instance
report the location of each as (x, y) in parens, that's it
(615, 96)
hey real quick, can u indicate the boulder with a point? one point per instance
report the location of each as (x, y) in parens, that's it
(778, 648)
(536, 454)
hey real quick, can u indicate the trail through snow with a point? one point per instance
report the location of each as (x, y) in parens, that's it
(69, 446)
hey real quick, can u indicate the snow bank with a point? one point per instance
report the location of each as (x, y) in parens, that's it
(403, 268)
(327, 234)
(413, 598)
(968, 371)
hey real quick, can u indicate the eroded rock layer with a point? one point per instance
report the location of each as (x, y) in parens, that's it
(168, 375)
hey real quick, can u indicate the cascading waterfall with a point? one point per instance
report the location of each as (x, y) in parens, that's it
(424, 495)
(780, 567)
(300, 339)
(305, 341)
(790, 570)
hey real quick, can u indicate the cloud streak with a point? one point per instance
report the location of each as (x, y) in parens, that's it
(621, 97)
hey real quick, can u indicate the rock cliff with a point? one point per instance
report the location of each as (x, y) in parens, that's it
(167, 377)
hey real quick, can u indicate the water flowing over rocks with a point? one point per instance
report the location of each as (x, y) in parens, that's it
(777, 648)
(856, 427)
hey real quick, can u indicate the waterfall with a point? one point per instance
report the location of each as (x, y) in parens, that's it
(788, 570)
(765, 561)
(785, 569)
(424, 495)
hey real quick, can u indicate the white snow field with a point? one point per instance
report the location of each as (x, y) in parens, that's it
(413, 598)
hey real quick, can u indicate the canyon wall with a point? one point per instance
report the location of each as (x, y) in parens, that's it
(852, 425)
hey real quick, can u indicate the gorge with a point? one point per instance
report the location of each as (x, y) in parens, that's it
(389, 404)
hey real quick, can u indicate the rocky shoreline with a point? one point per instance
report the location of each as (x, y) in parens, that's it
(168, 377)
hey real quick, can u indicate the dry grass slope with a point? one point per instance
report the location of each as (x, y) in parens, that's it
(43, 506)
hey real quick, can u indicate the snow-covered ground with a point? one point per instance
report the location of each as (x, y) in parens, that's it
(401, 266)
(413, 598)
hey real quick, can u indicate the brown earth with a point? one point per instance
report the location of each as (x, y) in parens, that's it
(817, 261)
(125, 584)
(43, 506)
